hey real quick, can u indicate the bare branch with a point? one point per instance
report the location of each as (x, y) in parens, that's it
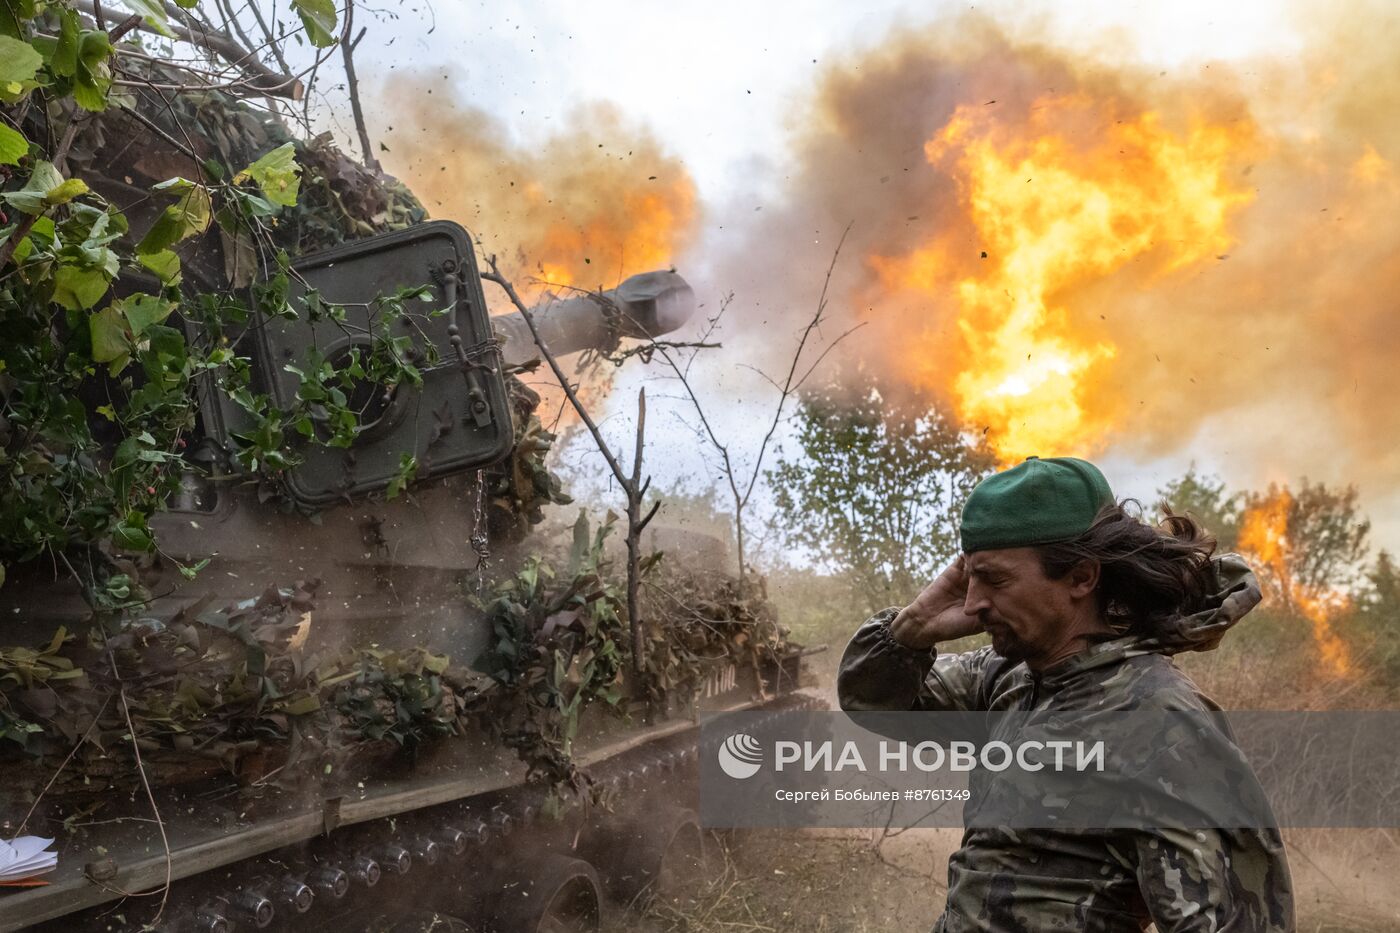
(260, 78)
(122, 28)
(829, 347)
(500, 280)
(741, 495)
(231, 21)
(632, 485)
(711, 326)
(352, 83)
(789, 386)
(169, 140)
(766, 378)
(145, 783)
(641, 431)
(272, 42)
(635, 524)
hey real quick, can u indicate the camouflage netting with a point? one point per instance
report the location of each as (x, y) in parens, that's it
(340, 199)
(244, 692)
(231, 690)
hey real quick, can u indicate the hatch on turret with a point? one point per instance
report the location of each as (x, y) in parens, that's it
(457, 420)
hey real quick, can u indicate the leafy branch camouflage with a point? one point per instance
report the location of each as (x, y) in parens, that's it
(241, 690)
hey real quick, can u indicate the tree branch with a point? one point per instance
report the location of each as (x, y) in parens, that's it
(272, 42)
(260, 78)
(635, 524)
(231, 22)
(742, 495)
(352, 83)
(495, 277)
(632, 484)
(789, 386)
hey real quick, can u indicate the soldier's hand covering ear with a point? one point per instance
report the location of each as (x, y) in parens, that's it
(936, 614)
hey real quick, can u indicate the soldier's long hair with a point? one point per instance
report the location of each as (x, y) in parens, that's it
(1147, 573)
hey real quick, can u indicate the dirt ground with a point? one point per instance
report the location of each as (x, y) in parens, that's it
(808, 880)
(838, 881)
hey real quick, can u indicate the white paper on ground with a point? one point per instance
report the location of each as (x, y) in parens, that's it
(24, 857)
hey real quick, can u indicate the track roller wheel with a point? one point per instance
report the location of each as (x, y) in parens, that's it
(659, 854)
(549, 893)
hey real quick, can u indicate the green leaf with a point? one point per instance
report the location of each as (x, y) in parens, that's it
(318, 16)
(132, 534)
(144, 311)
(93, 79)
(153, 13)
(277, 174)
(42, 231)
(30, 198)
(90, 97)
(94, 48)
(12, 14)
(189, 216)
(13, 145)
(65, 191)
(408, 468)
(64, 59)
(108, 331)
(164, 264)
(45, 188)
(190, 571)
(78, 288)
(20, 62)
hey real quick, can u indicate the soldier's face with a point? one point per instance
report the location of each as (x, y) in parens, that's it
(1025, 612)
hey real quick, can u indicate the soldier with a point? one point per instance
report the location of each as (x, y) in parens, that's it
(1084, 603)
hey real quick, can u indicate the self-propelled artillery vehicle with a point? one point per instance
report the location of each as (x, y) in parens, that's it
(357, 700)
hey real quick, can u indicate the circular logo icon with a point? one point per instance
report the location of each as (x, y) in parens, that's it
(740, 756)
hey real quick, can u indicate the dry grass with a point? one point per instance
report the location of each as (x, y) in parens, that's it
(774, 881)
(819, 881)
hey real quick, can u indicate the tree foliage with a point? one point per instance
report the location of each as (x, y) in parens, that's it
(1315, 535)
(103, 340)
(874, 489)
(1205, 499)
(1327, 537)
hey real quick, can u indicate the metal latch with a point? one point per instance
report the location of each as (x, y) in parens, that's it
(478, 407)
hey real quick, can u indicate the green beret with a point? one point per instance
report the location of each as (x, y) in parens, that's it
(1037, 502)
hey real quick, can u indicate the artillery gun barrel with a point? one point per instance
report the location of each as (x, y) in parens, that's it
(646, 305)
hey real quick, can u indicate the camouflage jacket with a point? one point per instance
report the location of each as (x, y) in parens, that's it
(1102, 881)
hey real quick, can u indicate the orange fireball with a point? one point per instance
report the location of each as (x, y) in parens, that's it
(1066, 196)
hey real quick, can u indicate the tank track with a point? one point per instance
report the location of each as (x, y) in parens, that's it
(505, 862)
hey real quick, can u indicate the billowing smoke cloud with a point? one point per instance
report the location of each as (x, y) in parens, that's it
(587, 206)
(1076, 253)
(1082, 255)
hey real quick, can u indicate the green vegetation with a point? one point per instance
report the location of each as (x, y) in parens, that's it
(874, 491)
(103, 341)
